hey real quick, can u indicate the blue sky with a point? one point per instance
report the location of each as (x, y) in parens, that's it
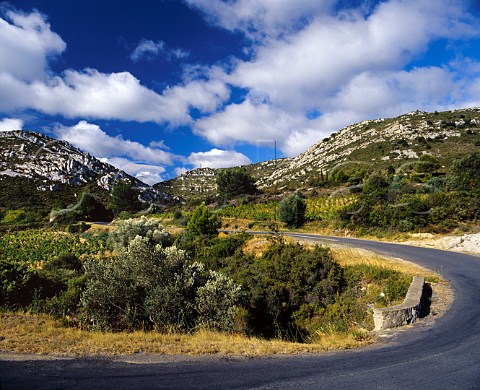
(158, 87)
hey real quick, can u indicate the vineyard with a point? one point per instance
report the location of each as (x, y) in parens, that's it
(319, 208)
(254, 211)
(326, 207)
(35, 247)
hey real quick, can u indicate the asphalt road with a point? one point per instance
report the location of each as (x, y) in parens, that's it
(442, 355)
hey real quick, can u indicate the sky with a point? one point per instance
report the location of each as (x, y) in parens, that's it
(158, 87)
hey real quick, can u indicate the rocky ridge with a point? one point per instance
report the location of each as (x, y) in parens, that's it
(372, 144)
(53, 163)
(406, 137)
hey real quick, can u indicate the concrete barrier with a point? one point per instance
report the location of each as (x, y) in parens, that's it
(406, 312)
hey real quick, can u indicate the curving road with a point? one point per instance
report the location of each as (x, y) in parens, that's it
(445, 355)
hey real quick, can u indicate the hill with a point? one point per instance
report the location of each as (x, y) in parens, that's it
(371, 145)
(39, 173)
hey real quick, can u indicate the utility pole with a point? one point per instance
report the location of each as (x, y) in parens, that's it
(275, 185)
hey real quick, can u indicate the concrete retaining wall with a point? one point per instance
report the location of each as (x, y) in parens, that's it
(406, 312)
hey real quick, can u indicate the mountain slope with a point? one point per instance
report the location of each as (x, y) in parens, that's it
(371, 145)
(382, 142)
(201, 182)
(53, 164)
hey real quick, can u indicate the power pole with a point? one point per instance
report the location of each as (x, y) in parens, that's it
(275, 186)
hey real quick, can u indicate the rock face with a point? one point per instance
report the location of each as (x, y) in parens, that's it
(467, 243)
(53, 162)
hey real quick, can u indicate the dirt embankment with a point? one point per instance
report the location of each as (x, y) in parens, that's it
(468, 243)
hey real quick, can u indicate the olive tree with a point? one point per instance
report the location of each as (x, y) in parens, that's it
(148, 228)
(149, 284)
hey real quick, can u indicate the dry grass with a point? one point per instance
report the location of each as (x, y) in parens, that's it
(39, 334)
(348, 256)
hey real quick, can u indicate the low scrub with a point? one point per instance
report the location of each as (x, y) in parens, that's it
(149, 280)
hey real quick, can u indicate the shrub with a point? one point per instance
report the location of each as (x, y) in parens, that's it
(203, 222)
(18, 283)
(283, 279)
(117, 286)
(216, 302)
(292, 210)
(405, 225)
(124, 197)
(14, 216)
(172, 306)
(78, 227)
(148, 285)
(147, 228)
(427, 163)
(464, 173)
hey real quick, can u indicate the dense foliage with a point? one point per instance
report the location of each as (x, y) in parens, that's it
(203, 222)
(86, 208)
(292, 292)
(146, 282)
(419, 197)
(124, 197)
(147, 285)
(233, 182)
(148, 228)
(42, 269)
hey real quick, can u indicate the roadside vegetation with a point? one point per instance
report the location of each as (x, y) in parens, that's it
(185, 293)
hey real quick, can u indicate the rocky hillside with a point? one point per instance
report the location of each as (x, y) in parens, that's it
(53, 164)
(201, 182)
(371, 145)
(378, 143)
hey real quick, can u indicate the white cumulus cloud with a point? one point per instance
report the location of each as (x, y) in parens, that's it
(259, 18)
(147, 173)
(27, 44)
(92, 139)
(8, 124)
(343, 66)
(217, 158)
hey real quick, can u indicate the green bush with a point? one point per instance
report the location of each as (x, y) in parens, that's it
(78, 227)
(464, 175)
(292, 210)
(280, 282)
(18, 283)
(124, 197)
(217, 301)
(13, 216)
(233, 182)
(148, 285)
(203, 222)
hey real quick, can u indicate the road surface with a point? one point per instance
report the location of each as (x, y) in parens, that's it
(445, 355)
